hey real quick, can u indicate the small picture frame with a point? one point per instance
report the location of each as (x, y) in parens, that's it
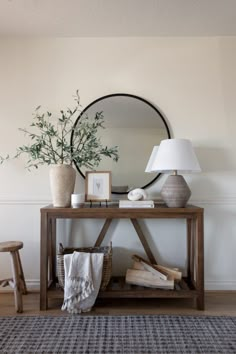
(97, 185)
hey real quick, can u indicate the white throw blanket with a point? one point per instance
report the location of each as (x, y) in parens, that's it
(83, 275)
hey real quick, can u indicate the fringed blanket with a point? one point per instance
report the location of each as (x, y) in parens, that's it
(83, 275)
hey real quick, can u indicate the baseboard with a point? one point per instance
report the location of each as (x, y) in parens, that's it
(220, 285)
(34, 285)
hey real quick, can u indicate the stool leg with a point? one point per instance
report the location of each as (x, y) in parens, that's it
(21, 274)
(16, 279)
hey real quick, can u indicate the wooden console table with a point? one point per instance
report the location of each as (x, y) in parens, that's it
(192, 286)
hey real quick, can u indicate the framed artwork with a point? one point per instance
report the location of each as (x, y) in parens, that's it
(98, 185)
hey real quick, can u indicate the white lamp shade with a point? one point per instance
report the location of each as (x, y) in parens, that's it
(175, 154)
(152, 159)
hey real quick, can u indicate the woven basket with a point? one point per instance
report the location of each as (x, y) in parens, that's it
(107, 262)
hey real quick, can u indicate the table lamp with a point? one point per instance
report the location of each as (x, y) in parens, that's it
(171, 156)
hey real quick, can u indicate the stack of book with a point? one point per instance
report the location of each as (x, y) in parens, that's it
(136, 204)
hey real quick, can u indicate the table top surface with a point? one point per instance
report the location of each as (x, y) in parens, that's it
(113, 210)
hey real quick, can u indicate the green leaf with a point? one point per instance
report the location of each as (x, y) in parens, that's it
(50, 140)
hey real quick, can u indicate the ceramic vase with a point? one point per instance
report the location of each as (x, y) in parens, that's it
(62, 183)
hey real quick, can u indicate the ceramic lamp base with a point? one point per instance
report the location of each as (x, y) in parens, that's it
(175, 192)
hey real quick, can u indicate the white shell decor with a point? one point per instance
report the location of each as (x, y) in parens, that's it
(137, 194)
(62, 182)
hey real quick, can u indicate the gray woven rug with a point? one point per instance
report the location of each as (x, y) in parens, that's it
(118, 334)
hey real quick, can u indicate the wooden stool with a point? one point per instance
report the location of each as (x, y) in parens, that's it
(18, 280)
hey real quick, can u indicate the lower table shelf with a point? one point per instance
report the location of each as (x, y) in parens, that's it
(118, 288)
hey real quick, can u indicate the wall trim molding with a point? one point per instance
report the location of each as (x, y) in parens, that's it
(32, 285)
(210, 285)
(25, 201)
(214, 201)
(220, 285)
(45, 201)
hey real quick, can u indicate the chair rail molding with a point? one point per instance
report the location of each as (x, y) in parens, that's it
(24, 201)
(206, 200)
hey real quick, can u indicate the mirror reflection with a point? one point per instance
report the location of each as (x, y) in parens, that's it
(135, 126)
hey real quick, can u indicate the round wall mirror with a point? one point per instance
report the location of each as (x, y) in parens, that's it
(135, 126)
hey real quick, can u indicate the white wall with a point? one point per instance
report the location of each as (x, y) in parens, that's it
(192, 81)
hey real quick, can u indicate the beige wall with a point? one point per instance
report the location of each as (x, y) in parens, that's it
(192, 81)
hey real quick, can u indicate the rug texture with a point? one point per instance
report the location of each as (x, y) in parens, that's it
(118, 334)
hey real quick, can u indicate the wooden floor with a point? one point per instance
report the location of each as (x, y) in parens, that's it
(217, 303)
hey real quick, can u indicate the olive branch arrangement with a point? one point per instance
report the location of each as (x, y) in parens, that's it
(2, 159)
(50, 139)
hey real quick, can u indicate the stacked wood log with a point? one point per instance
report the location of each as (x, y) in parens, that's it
(155, 276)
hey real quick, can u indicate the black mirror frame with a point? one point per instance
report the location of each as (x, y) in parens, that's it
(117, 95)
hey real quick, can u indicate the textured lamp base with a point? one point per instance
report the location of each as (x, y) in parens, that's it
(175, 192)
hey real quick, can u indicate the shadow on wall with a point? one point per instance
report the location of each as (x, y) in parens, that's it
(215, 159)
(219, 241)
(121, 260)
(218, 169)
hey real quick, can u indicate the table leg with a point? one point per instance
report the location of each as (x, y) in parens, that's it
(193, 252)
(200, 261)
(44, 261)
(189, 240)
(53, 250)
